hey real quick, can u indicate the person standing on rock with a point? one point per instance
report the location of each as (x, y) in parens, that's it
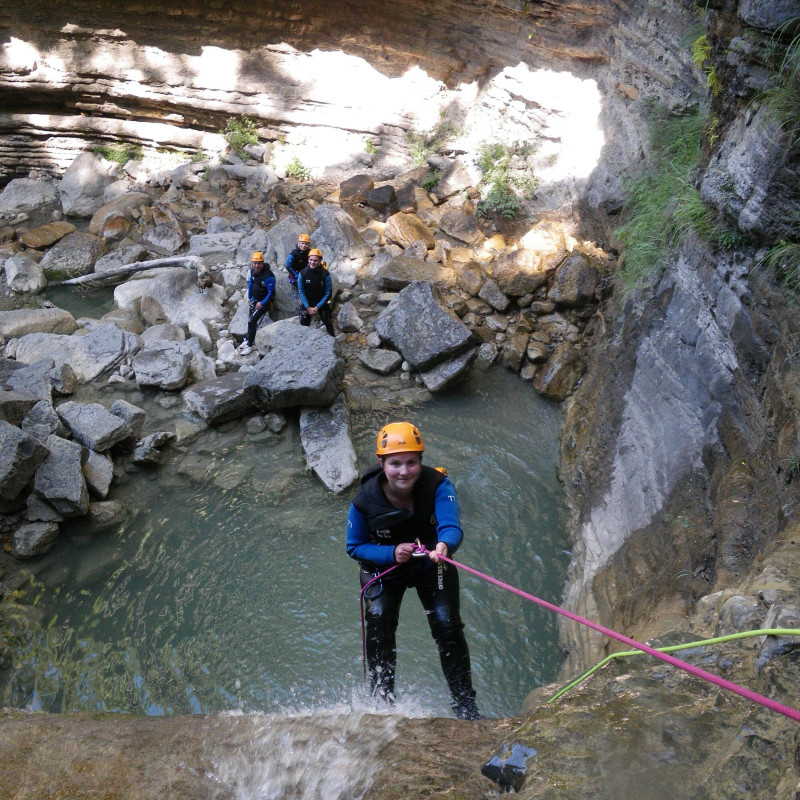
(297, 260)
(400, 502)
(315, 288)
(260, 295)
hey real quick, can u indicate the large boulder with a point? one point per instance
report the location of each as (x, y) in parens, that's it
(59, 480)
(343, 249)
(222, 399)
(121, 257)
(330, 455)
(25, 196)
(403, 270)
(93, 425)
(519, 272)
(461, 226)
(356, 189)
(130, 414)
(559, 375)
(39, 378)
(24, 274)
(425, 333)
(98, 471)
(15, 405)
(457, 177)
(42, 421)
(22, 321)
(46, 235)
(162, 363)
(448, 373)
(33, 539)
(81, 189)
(300, 367)
(72, 256)
(405, 229)
(575, 282)
(20, 457)
(381, 361)
(129, 205)
(99, 351)
(170, 295)
(547, 240)
(215, 248)
(163, 239)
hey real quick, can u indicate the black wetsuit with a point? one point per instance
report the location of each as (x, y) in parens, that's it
(260, 289)
(437, 585)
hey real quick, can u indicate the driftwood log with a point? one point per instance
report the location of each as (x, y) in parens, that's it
(119, 274)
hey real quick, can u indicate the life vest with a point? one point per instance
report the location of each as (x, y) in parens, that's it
(314, 283)
(258, 284)
(297, 260)
(391, 525)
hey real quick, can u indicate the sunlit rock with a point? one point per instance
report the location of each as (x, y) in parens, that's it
(325, 434)
(404, 229)
(81, 189)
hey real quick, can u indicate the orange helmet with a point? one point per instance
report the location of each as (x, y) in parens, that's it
(399, 437)
(257, 256)
(315, 252)
(304, 237)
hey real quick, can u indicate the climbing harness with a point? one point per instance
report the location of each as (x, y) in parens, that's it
(754, 697)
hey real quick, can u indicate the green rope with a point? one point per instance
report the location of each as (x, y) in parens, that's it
(673, 648)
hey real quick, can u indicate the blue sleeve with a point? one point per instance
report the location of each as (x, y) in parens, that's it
(249, 286)
(359, 544)
(301, 293)
(290, 265)
(328, 290)
(448, 517)
(270, 284)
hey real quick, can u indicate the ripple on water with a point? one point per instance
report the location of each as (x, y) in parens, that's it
(229, 588)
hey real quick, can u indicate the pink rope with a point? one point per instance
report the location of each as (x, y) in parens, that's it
(754, 697)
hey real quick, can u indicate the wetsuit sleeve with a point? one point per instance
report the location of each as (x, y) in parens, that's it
(290, 265)
(300, 291)
(359, 544)
(328, 290)
(250, 287)
(270, 285)
(448, 519)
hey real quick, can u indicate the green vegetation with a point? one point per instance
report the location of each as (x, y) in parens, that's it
(239, 132)
(701, 55)
(784, 260)
(120, 152)
(783, 98)
(424, 145)
(370, 147)
(500, 199)
(663, 204)
(431, 179)
(297, 170)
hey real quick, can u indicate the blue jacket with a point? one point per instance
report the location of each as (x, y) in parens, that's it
(362, 546)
